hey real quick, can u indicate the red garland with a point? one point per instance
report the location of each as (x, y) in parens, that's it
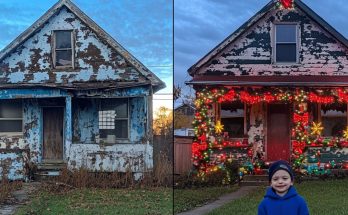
(320, 99)
(286, 3)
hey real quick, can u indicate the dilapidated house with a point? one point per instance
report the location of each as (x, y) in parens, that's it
(70, 94)
(276, 88)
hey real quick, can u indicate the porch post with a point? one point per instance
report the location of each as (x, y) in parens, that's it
(68, 127)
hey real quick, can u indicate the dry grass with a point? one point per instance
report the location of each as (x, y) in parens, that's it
(7, 187)
(161, 176)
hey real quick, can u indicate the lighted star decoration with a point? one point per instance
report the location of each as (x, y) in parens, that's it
(345, 133)
(316, 128)
(219, 127)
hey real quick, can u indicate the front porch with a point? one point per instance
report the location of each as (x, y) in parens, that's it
(259, 124)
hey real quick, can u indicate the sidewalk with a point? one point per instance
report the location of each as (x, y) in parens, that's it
(221, 201)
(20, 197)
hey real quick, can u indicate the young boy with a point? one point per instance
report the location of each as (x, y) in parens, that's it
(281, 197)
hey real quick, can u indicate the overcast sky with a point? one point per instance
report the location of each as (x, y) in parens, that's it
(200, 25)
(143, 27)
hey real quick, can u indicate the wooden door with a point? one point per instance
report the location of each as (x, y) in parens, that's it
(53, 133)
(278, 132)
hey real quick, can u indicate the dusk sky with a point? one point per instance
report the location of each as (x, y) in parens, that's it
(143, 27)
(200, 25)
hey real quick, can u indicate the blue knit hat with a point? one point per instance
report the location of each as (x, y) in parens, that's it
(278, 165)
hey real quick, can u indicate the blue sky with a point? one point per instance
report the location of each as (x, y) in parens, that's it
(200, 25)
(143, 27)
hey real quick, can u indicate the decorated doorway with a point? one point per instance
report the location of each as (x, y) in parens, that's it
(278, 132)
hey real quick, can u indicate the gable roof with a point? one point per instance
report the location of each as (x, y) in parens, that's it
(154, 80)
(254, 19)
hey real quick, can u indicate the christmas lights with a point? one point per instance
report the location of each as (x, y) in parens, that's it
(210, 139)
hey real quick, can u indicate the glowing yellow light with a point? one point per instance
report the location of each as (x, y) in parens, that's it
(219, 127)
(345, 133)
(316, 128)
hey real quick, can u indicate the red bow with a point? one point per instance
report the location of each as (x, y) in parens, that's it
(286, 3)
(299, 118)
(298, 147)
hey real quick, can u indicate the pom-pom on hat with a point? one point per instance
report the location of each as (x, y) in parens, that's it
(278, 165)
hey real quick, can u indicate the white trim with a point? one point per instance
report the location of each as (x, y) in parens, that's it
(54, 49)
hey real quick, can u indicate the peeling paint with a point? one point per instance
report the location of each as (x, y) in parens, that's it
(120, 157)
(100, 71)
(251, 53)
(95, 60)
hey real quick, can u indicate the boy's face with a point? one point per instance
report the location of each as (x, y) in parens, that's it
(281, 182)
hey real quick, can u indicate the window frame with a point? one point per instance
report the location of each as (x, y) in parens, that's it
(14, 133)
(320, 118)
(218, 113)
(54, 49)
(117, 139)
(297, 42)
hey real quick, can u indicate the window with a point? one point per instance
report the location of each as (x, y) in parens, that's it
(113, 119)
(63, 49)
(10, 116)
(286, 43)
(334, 119)
(232, 117)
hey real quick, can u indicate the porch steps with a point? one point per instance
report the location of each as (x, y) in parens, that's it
(49, 169)
(254, 180)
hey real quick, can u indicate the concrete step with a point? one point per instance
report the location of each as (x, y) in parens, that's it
(45, 167)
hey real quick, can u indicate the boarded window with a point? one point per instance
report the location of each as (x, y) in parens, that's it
(232, 117)
(63, 49)
(11, 116)
(286, 43)
(334, 119)
(113, 119)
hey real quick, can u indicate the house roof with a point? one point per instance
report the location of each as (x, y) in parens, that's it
(185, 104)
(153, 79)
(310, 81)
(254, 19)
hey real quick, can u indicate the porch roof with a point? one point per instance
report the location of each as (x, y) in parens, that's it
(299, 81)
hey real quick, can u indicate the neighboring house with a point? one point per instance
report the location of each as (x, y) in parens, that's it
(276, 88)
(70, 94)
(190, 132)
(183, 116)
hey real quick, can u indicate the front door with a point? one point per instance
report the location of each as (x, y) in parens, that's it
(278, 132)
(53, 133)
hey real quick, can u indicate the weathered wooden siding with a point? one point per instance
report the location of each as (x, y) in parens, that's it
(251, 54)
(31, 62)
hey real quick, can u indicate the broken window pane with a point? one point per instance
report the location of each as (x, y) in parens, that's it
(63, 58)
(121, 128)
(113, 119)
(63, 39)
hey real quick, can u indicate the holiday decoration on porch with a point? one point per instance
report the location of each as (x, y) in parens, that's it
(285, 4)
(305, 133)
(316, 128)
(219, 127)
(345, 133)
